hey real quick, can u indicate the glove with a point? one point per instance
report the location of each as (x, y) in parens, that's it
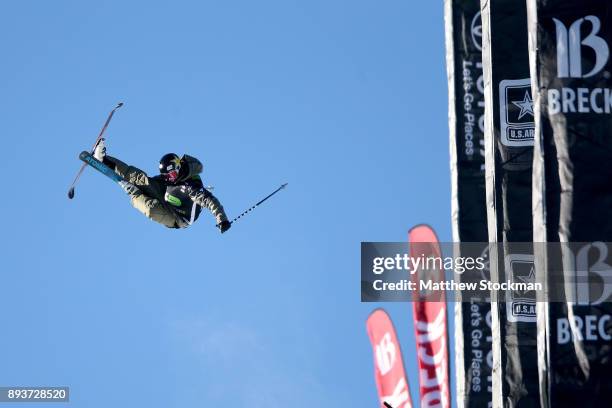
(224, 226)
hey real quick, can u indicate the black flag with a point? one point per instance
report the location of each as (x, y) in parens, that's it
(572, 201)
(469, 216)
(509, 132)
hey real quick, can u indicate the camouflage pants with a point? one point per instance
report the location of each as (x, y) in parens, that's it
(153, 209)
(148, 196)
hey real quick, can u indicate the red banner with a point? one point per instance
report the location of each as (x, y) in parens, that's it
(388, 365)
(430, 324)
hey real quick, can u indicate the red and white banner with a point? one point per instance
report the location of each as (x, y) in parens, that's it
(388, 365)
(430, 325)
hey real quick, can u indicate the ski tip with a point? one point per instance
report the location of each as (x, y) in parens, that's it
(284, 185)
(120, 104)
(71, 193)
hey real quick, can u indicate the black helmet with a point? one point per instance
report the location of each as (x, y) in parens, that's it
(169, 166)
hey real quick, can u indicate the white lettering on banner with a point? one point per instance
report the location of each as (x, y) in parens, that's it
(584, 270)
(399, 398)
(569, 48)
(480, 343)
(433, 377)
(581, 100)
(569, 65)
(428, 381)
(385, 354)
(585, 328)
(434, 359)
(472, 122)
(432, 331)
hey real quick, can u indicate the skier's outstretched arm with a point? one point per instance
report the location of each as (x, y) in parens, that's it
(206, 199)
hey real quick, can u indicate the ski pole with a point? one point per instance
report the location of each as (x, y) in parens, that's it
(76, 179)
(260, 201)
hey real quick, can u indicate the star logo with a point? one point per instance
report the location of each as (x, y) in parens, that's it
(526, 105)
(175, 164)
(527, 278)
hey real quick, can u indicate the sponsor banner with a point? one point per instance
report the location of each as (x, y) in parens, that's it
(509, 136)
(389, 373)
(572, 202)
(466, 119)
(469, 217)
(430, 324)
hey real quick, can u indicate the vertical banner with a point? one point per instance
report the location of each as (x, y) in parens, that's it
(388, 365)
(572, 203)
(469, 216)
(509, 134)
(430, 325)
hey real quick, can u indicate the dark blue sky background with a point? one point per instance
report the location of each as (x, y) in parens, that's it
(344, 100)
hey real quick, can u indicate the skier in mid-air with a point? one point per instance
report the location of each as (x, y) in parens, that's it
(173, 198)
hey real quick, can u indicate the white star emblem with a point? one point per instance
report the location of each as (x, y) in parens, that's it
(526, 105)
(527, 279)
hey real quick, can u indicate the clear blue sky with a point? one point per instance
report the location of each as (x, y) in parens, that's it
(345, 100)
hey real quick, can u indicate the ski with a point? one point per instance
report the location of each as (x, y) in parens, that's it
(88, 159)
(76, 179)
